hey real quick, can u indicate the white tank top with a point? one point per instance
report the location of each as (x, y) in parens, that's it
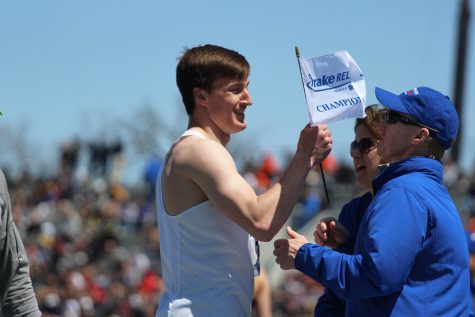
(206, 264)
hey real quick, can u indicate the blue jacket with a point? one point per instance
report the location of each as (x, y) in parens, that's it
(410, 256)
(329, 304)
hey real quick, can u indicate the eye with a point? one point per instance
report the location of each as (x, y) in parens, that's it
(236, 89)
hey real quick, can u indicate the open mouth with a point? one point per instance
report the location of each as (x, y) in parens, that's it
(240, 114)
(360, 168)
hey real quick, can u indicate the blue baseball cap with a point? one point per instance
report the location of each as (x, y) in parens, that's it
(428, 107)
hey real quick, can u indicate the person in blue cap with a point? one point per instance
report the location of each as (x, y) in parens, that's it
(410, 256)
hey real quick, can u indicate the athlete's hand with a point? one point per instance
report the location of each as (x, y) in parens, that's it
(316, 142)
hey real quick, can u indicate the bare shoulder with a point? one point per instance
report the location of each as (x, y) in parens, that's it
(200, 155)
(193, 165)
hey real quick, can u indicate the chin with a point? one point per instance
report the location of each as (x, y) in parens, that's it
(241, 125)
(239, 128)
(360, 179)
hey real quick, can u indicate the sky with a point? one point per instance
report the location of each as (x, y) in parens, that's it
(69, 68)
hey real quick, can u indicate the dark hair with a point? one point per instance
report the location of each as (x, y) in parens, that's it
(201, 66)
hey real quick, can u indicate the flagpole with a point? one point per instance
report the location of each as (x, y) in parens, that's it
(297, 53)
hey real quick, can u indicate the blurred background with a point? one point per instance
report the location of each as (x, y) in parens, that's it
(90, 107)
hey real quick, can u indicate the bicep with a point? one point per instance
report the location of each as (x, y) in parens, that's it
(215, 172)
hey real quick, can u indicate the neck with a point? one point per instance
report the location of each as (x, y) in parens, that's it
(369, 188)
(420, 149)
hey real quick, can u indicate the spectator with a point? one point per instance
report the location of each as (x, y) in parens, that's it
(17, 297)
(418, 273)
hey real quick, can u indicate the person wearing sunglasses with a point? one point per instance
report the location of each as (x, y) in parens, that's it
(410, 256)
(340, 234)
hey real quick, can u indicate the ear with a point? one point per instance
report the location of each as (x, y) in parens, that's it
(200, 96)
(422, 136)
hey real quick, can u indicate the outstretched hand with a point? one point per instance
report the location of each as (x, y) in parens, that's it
(330, 232)
(285, 250)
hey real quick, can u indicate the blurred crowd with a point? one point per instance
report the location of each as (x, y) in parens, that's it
(93, 244)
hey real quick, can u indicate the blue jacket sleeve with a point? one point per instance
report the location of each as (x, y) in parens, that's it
(390, 236)
(329, 304)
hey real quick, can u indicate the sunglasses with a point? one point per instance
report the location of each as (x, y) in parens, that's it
(392, 117)
(378, 114)
(364, 145)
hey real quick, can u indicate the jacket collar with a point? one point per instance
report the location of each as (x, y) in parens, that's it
(417, 164)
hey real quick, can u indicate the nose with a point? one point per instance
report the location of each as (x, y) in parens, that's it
(247, 97)
(355, 153)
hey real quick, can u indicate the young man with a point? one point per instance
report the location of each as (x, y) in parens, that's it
(16, 291)
(410, 256)
(206, 210)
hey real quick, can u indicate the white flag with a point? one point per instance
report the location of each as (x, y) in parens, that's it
(334, 87)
